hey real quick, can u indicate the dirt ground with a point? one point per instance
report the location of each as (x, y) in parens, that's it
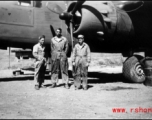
(107, 91)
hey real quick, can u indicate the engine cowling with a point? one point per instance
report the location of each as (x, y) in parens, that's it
(102, 20)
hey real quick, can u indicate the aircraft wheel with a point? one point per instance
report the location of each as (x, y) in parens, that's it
(132, 69)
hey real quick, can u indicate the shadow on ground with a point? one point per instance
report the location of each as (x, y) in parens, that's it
(93, 77)
(116, 88)
(97, 77)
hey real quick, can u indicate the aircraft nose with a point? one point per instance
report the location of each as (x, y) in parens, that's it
(91, 22)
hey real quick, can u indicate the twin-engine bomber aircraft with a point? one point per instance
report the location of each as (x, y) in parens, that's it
(109, 26)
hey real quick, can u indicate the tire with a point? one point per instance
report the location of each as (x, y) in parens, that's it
(133, 70)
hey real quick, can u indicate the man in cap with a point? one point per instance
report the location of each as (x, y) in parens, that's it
(39, 52)
(81, 59)
(59, 61)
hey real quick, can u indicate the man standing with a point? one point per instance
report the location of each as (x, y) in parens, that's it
(59, 61)
(81, 60)
(39, 52)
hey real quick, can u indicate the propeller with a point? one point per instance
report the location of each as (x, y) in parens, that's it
(52, 30)
(71, 34)
(77, 6)
(67, 16)
(54, 7)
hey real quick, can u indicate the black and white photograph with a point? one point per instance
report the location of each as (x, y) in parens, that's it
(76, 59)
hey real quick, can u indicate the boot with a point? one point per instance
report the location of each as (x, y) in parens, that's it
(66, 86)
(37, 87)
(85, 88)
(53, 85)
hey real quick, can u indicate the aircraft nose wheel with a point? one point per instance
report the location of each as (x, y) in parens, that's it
(139, 70)
(133, 70)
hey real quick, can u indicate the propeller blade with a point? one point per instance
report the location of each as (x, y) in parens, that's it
(52, 31)
(66, 3)
(77, 6)
(71, 34)
(54, 8)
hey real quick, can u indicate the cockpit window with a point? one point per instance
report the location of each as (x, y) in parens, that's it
(24, 3)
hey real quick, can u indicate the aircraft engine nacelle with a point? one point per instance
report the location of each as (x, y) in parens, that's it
(103, 21)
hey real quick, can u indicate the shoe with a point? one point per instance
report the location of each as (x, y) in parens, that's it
(42, 86)
(37, 87)
(77, 88)
(85, 88)
(53, 85)
(66, 86)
